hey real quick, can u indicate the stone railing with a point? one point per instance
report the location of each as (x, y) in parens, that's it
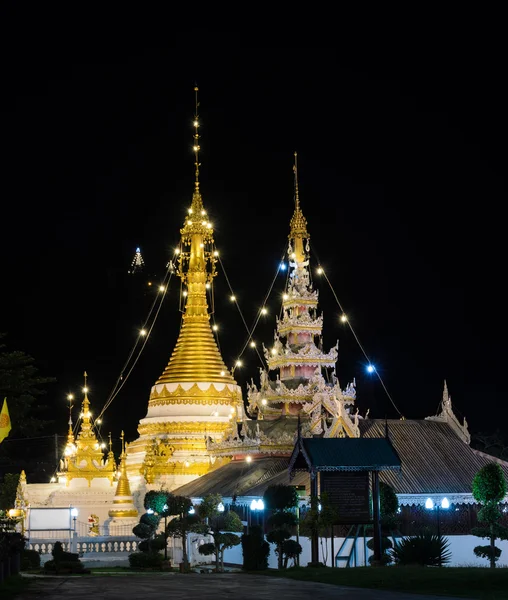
(84, 545)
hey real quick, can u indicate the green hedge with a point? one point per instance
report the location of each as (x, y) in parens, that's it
(30, 559)
(145, 560)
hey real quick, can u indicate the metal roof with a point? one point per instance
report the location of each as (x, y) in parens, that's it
(346, 454)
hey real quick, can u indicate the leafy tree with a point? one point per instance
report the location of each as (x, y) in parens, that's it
(221, 527)
(182, 522)
(146, 530)
(21, 384)
(281, 500)
(489, 488)
(491, 443)
(8, 490)
(389, 505)
(319, 520)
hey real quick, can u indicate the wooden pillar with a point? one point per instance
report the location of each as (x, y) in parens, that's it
(377, 517)
(314, 541)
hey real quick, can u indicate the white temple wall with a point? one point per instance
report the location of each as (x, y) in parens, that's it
(461, 547)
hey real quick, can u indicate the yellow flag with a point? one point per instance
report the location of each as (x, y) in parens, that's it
(5, 422)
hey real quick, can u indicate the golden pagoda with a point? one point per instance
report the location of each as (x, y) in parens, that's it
(196, 396)
(123, 503)
(84, 459)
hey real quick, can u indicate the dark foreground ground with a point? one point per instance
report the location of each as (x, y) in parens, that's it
(199, 587)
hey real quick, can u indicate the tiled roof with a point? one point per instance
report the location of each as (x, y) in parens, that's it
(434, 461)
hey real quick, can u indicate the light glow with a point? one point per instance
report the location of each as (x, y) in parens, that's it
(220, 507)
(142, 332)
(445, 503)
(274, 351)
(196, 123)
(371, 368)
(233, 298)
(207, 285)
(70, 397)
(264, 402)
(203, 213)
(85, 390)
(192, 511)
(320, 271)
(293, 255)
(52, 480)
(177, 250)
(184, 293)
(216, 253)
(282, 266)
(264, 311)
(162, 288)
(215, 327)
(239, 363)
(222, 373)
(285, 296)
(429, 503)
(343, 318)
(99, 421)
(248, 458)
(253, 344)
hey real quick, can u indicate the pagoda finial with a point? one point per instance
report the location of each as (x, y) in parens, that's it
(122, 437)
(196, 147)
(298, 225)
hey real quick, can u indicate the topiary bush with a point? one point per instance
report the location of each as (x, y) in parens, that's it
(145, 560)
(30, 559)
(255, 550)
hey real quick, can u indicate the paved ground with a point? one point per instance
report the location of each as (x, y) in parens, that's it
(198, 587)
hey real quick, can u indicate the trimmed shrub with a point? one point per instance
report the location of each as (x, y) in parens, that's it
(30, 559)
(145, 560)
(255, 550)
(425, 549)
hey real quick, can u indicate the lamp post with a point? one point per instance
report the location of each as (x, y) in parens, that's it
(256, 505)
(74, 515)
(429, 505)
(165, 509)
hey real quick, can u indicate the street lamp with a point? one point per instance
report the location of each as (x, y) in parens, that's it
(220, 507)
(429, 505)
(165, 509)
(74, 515)
(257, 505)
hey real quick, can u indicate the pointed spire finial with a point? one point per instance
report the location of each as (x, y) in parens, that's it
(123, 442)
(110, 442)
(196, 147)
(295, 170)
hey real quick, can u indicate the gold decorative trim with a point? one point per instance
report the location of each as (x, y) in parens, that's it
(194, 395)
(177, 427)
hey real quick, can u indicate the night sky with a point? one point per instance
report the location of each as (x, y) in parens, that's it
(401, 169)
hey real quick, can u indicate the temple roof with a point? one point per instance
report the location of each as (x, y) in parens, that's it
(434, 461)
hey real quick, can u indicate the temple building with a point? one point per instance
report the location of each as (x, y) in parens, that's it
(201, 436)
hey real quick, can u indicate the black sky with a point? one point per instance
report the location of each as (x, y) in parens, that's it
(402, 180)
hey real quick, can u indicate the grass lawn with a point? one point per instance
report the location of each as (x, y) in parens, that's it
(13, 586)
(468, 582)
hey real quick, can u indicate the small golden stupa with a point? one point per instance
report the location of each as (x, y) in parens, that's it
(123, 503)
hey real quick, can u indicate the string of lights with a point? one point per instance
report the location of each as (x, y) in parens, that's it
(344, 319)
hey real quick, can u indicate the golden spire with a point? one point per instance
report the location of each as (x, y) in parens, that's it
(196, 356)
(123, 502)
(298, 224)
(70, 447)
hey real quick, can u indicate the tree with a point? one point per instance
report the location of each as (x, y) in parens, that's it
(281, 500)
(489, 488)
(221, 526)
(255, 549)
(319, 520)
(146, 530)
(8, 490)
(21, 383)
(491, 443)
(182, 522)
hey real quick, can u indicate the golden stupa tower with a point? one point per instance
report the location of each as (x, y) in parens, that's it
(196, 397)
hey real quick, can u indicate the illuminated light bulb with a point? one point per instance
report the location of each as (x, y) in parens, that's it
(85, 390)
(248, 458)
(70, 397)
(231, 410)
(274, 351)
(239, 363)
(263, 311)
(203, 223)
(264, 402)
(253, 344)
(343, 318)
(320, 271)
(209, 225)
(103, 445)
(445, 503)
(177, 250)
(149, 283)
(216, 413)
(233, 298)
(99, 421)
(370, 368)
(187, 463)
(190, 211)
(215, 327)
(293, 255)
(81, 415)
(162, 288)
(53, 480)
(429, 504)
(222, 373)
(216, 253)
(142, 332)
(184, 293)
(196, 123)
(285, 297)
(230, 416)
(196, 148)
(282, 266)
(207, 285)
(203, 213)
(189, 222)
